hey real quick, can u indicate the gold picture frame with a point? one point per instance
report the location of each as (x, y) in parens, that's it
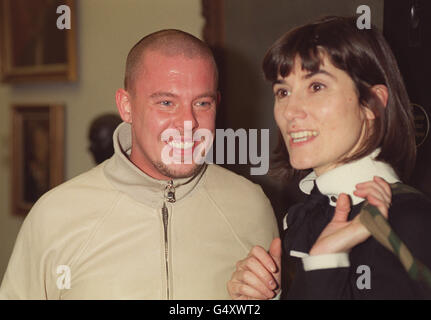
(37, 149)
(32, 48)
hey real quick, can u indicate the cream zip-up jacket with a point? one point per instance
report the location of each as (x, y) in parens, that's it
(105, 235)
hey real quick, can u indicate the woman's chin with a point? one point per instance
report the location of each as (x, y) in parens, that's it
(301, 165)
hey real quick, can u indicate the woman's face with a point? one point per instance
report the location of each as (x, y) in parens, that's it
(319, 116)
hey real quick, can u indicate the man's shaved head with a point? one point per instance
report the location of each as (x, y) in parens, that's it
(169, 42)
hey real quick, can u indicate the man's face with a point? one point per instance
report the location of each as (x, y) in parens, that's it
(319, 116)
(169, 90)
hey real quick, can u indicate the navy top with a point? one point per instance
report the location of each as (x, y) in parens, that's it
(410, 218)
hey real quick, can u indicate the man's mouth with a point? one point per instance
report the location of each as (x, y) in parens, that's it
(302, 136)
(181, 144)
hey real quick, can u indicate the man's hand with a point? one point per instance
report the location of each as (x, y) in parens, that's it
(259, 275)
(341, 235)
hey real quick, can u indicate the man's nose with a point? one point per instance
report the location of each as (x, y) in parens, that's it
(186, 115)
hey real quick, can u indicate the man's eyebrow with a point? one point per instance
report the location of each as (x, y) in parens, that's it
(320, 71)
(162, 94)
(211, 95)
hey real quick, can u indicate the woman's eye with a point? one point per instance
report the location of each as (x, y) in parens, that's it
(281, 93)
(316, 86)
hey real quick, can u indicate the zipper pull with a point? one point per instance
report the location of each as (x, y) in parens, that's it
(170, 192)
(165, 217)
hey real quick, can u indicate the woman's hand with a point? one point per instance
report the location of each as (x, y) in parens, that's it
(341, 235)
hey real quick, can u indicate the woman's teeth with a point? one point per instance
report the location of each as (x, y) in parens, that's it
(301, 136)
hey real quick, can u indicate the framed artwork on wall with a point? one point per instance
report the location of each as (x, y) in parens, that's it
(37, 153)
(33, 47)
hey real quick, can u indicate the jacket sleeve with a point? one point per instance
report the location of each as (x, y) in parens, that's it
(23, 278)
(31, 271)
(321, 277)
(320, 284)
(317, 277)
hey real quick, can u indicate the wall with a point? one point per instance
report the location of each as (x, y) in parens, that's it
(106, 30)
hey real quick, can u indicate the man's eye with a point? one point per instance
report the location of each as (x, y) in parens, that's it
(203, 103)
(166, 103)
(316, 86)
(281, 93)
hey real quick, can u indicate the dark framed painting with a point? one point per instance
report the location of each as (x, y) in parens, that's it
(33, 47)
(37, 153)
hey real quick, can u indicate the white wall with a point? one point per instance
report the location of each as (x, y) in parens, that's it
(106, 30)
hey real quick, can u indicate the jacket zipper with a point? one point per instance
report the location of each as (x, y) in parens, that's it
(169, 197)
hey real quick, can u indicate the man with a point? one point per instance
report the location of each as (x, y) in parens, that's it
(138, 226)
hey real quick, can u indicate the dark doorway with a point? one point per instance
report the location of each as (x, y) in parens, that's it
(407, 28)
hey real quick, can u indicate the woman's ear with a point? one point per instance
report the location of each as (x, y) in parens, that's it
(381, 91)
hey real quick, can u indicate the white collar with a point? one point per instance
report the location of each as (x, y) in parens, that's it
(345, 177)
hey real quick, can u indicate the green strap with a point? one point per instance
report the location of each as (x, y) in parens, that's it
(373, 220)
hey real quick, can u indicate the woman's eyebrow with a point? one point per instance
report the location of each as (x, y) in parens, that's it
(320, 71)
(307, 76)
(279, 81)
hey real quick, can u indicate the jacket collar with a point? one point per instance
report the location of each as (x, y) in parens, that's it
(128, 178)
(345, 177)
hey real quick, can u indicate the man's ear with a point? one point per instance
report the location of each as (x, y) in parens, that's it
(218, 98)
(124, 106)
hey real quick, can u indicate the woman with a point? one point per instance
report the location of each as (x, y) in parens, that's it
(343, 111)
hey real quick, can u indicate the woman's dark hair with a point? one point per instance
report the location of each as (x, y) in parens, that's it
(367, 58)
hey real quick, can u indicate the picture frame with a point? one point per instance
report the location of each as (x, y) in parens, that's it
(37, 150)
(32, 47)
